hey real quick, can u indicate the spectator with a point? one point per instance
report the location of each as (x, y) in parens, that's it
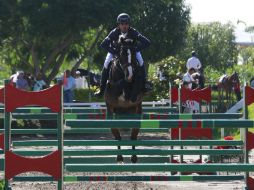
(80, 81)
(188, 78)
(69, 85)
(21, 82)
(252, 82)
(14, 77)
(30, 80)
(160, 74)
(39, 83)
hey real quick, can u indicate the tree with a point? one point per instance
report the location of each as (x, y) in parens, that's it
(38, 36)
(214, 44)
(165, 22)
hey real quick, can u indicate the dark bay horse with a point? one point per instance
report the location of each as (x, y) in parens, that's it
(201, 80)
(229, 84)
(122, 86)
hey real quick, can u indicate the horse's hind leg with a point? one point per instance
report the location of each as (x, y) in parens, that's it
(134, 136)
(117, 136)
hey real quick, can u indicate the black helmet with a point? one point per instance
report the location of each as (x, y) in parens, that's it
(193, 53)
(123, 18)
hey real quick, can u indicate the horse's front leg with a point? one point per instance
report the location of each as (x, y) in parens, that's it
(134, 136)
(115, 132)
(117, 136)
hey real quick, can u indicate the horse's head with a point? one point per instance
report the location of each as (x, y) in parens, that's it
(127, 56)
(235, 78)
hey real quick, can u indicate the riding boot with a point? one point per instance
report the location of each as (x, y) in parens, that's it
(138, 84)
(104, 78)
(147, 85)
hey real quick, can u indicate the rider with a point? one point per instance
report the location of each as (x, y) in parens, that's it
(194, 62)
(123, 28)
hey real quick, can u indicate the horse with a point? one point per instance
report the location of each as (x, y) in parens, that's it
(196, 75)
(124, 84)
(228, 84)
(201, 81)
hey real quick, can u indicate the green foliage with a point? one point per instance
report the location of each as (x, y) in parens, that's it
(82, 95)
(165, 23)
(212, 74)
(38, 36)
(1, 185)
(214, 44)
(170, 66)
(42, 35)
(251, 111)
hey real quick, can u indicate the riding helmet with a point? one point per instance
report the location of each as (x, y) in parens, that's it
(193, 53)
(123, 18)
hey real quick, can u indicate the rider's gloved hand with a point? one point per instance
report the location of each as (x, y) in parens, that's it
(115, 51)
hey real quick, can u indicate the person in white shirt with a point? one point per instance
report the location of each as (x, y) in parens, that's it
(39, 83)
(160, 73)
(193, 62)
(187, 77)
(80, 81)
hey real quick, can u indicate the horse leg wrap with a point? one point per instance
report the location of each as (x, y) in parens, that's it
(104, 78)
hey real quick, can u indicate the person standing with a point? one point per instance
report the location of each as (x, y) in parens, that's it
(188, 79)
(39, 83)
(80, 81)
(193, 62)
(69, 84)
(21, 82)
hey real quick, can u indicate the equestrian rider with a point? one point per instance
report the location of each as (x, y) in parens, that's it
(123, 28)
(194, 62)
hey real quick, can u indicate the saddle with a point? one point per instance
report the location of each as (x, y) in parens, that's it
(223, 79)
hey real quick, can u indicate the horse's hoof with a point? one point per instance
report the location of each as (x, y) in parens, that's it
(119, 158)
(134, 158)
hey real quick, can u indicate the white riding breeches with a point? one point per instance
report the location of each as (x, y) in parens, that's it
(110, 56)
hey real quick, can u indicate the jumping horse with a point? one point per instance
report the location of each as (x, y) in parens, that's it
(123, 94)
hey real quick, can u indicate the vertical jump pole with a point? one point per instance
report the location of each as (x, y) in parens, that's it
(60, 138)
(7, 135)
(180, 129)
(245, 134)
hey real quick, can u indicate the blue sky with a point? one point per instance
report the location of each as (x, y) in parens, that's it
(224, 11)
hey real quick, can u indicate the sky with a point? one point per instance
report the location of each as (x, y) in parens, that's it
(224, 11)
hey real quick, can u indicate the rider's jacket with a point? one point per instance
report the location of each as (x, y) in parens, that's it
(109, 42)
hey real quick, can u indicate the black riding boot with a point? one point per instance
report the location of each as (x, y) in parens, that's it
(147, 87)
(138, 84)
(104, 78)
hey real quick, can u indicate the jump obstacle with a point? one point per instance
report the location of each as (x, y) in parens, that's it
(80, 121)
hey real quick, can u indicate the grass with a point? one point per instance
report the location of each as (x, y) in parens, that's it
(1, 185)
